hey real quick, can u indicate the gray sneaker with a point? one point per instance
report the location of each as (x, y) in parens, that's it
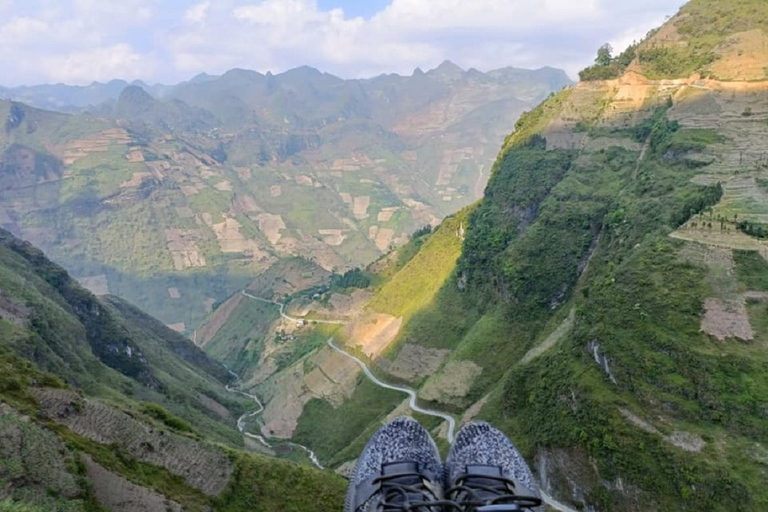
(485, 472)
(399, 470)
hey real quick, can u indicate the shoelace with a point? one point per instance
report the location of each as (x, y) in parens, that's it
(489, 494)
(407, 492)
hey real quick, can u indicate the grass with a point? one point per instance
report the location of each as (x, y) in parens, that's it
(328, 430)
(416, 285)
(259, 484)
(752, 270)
(240, 341)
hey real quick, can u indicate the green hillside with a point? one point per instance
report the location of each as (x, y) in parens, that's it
(607, 307)
(99, 402)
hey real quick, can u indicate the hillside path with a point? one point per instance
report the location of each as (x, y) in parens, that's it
(290, 318)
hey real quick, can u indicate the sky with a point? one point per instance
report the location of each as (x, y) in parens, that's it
(169, 41)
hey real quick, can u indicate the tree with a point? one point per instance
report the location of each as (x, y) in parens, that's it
(604, 55)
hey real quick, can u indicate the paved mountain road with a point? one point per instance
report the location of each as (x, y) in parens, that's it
(411, 393)
(551, 502)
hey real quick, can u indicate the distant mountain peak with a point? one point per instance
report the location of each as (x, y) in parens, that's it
(447, 71)
(133, 101)
(448, 67)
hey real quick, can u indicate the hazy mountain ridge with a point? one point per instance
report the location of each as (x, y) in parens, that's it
(605, 303)
(187, 194)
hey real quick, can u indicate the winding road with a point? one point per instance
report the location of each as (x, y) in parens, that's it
(411, 393)
(549, 500)
(290, 318)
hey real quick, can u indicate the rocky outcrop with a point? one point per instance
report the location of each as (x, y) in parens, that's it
(202, 466)
(33, 462)
(119, 495)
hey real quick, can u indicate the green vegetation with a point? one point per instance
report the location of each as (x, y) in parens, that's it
(703, 27)
(608, 67)
(159, 413)
(354, 278)
(555, 234)
(169, 382)
(260, 484)
(528, 127)
(755, 229)
(17, 506)
(328, 430)
(415, 286)
(752, 270)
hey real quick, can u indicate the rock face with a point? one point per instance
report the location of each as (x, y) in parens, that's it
(33, 462)
(119, 495)
(200, 465)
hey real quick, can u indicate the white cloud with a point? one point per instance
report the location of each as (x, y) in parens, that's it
(100, 64)
(170, 41)
(197, 13)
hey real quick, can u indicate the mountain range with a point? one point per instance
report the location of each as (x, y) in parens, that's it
(174, 197)
(603, 304)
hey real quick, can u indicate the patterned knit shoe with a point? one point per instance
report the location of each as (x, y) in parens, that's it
(485, 472)
(399, 470)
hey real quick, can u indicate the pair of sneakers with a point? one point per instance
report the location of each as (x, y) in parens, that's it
(400, 470)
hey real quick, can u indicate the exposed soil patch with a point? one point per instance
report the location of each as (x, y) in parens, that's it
(333, 378)
(223, 186)
(373, 332)
(385, 215)
(183, 247)
(414, 362)
(727, 319)
(332, 237)
(100, 143)
(231, 240)
(382, 237)
(360, 206)
(271, 225)
(453, 382)
(743, 56)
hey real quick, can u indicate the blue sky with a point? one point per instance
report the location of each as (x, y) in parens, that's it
(364, 8)
(80, 41)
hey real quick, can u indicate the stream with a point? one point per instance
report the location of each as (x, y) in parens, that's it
(260, 408)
